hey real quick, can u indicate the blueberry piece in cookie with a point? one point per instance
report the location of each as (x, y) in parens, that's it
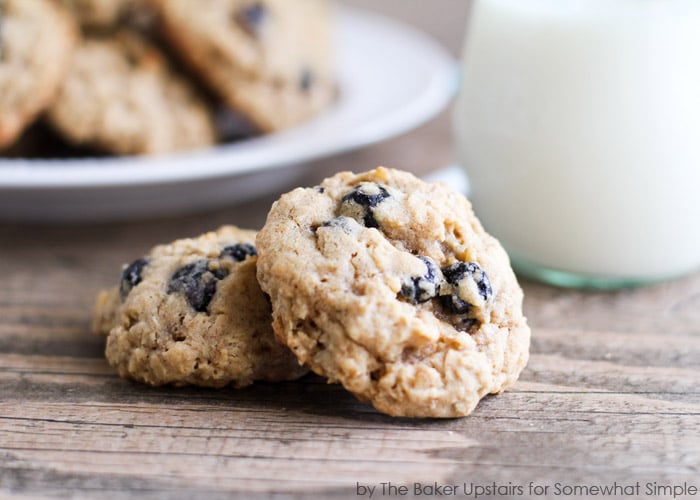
(467, 285)
(131, 276)
(251, 17)
(456, 274)
(391, 287)
(197, 316)
(197, 281)
(361, 201)
(239, 252)
(345, 224)
(419, 289)
(454, 305)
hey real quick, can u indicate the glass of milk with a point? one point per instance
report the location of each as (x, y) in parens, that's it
(578, 123)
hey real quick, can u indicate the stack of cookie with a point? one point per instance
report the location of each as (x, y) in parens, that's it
(155, 76)
(378, 281)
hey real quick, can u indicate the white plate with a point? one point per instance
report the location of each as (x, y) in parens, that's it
(392, 78)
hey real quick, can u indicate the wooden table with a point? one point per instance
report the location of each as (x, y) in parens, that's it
(611, 393)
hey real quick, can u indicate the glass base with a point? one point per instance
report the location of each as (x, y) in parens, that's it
(575, 280)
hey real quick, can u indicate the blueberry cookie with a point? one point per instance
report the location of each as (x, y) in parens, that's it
(122, 96)
(36, 42)
(267, 59)
(390, 286)
(191, 312)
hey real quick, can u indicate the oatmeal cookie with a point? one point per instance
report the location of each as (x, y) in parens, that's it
(390, 286)
(268, 59)
(122, 96)
(36, 42)
(191, 312)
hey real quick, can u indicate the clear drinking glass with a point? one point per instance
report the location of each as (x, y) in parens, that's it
(578, 123)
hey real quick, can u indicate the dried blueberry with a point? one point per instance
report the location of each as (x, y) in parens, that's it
(131, 276)
(306, 80)
(197, 281)
(423, 288)
(346, 224)
(361, 201)
(239, 252)
(454, 275)
(454, 304)
(459, 271)
(251, 17)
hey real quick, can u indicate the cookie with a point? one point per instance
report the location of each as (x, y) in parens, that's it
(36, 42)
(390, 286)
(122, 96)
(268, 59)
(101, 13)
(191, 312)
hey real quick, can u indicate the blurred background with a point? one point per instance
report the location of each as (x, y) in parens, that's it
(63, 132)
(445, 20)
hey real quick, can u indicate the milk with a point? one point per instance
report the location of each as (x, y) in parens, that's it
(578, 123)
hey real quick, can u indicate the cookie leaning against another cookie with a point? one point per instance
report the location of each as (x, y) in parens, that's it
(36, 42)
(122, 96)
(390, 286)
(192, 312)
(268, 59)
